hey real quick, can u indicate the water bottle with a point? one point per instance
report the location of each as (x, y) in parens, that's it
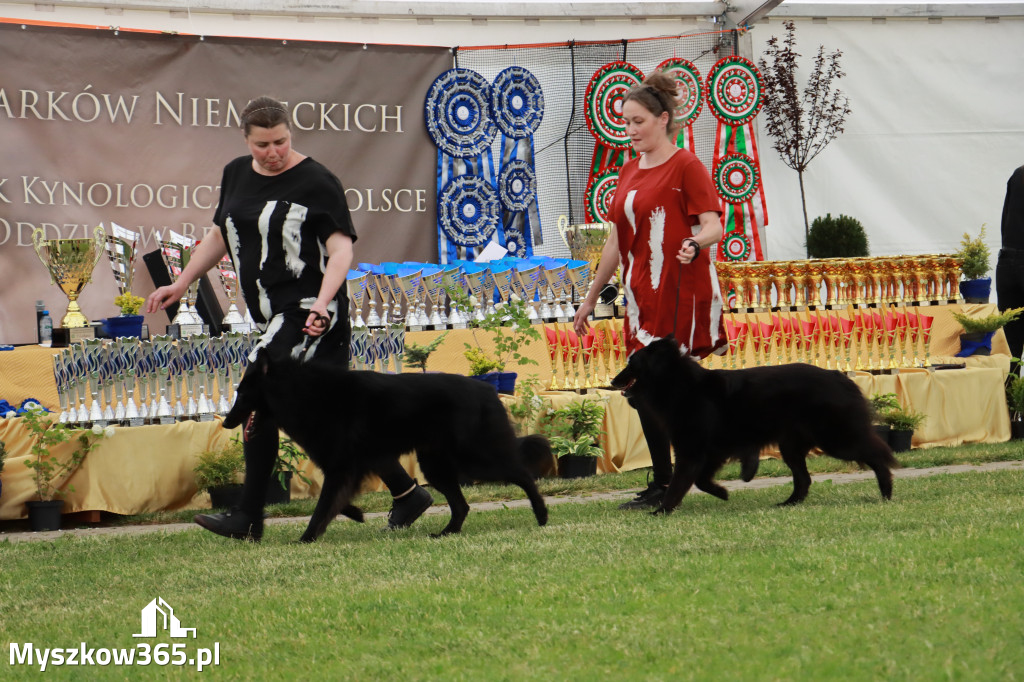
(45, 329)
(40, 306)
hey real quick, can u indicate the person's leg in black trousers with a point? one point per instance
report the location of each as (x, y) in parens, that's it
(661, 462)
(1010, 292)
(260, 445)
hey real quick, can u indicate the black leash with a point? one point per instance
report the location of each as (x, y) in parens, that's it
(679, 286)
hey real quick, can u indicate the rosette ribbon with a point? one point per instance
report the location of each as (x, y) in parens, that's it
(604, 98)
(733, 91)
(459, 119)
(517, 103)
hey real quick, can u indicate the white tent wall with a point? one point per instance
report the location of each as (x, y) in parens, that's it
(936, 129)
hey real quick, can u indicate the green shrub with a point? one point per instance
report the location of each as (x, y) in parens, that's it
(900, 419)
(1015, 393)
(882, 403)
(841, 237)
(218, 468)
(416, 355)
(989, 323)
(975, 255)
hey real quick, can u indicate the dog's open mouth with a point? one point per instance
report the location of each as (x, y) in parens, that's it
(628, 385)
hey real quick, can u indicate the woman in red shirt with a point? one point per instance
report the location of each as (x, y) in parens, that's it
(666, 215)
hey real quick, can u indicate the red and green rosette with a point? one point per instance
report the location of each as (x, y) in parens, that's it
(736, 178)
(733, 90)
(605, 95)
(600, 192)
(604, 98)
(691, 97)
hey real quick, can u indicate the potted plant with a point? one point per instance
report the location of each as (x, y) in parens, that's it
(842, 237)
(974, 256)
(1015, 401)
(880, 404)
(902, 424)
(416, 355)
(219, 473)
(510, 331)
(526, 410)
(289, 459)
(50, 471)
(574, 432)
(978, 331)
(129, 322)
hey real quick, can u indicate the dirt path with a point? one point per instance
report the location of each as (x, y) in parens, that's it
(757, 483)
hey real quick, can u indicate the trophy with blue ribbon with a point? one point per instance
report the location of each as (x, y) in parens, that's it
(409, 284)
(453, 283)
(355, 283)
(527, 280)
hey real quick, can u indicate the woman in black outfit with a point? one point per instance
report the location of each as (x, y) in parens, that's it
(285, 223)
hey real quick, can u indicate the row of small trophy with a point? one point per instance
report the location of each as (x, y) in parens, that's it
(375, 349)
(550, 286)
(160, 381)
(587, 361)
(851, 341)
(837, 282)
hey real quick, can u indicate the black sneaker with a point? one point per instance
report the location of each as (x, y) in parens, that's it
(407, 509)
(234, 523)
(648, 498)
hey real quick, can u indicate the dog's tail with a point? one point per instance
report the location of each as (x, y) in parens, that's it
(535, 454)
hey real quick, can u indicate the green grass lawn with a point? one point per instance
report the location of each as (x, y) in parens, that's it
(925, 587)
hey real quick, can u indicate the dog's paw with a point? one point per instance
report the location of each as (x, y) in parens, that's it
(661, 511)
(353, 512)
(306, 539)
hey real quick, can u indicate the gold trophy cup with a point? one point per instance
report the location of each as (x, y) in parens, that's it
(585, 242)
(70, 263)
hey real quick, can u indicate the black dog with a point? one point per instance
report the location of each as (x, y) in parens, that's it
(346, 421)
(711, 415)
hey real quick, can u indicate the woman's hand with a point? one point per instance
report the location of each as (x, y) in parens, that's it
(688, 252)
(580, 323)
(317, 322)
(164, 296)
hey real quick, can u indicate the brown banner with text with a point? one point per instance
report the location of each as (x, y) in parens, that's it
(103, 126)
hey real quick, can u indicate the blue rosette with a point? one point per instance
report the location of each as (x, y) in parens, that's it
(468, 211)
(517, 102)
(517, 185)
(458, 113)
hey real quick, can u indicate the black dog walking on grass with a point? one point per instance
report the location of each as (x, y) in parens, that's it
(712, 415)
(347, 422)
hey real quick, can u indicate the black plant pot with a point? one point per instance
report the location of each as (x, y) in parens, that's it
(899, 441)
(883, 431)
(226, 496)
(1016, 430)
(276, 494)
(45, 514)
(576, 466)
